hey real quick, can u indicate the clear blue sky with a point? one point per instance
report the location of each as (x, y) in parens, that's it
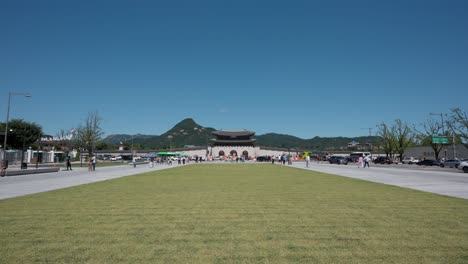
(304, 68)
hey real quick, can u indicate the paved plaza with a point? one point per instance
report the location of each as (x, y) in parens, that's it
(445, 182)
(450, 182)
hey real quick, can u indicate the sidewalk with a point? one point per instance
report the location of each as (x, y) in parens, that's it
(452, 183)
(14, 186)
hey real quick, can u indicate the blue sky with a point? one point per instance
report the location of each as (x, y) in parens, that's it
(304, 68)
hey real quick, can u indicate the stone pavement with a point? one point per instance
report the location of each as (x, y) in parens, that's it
(445, 182)
(13, 186)
(450, 182)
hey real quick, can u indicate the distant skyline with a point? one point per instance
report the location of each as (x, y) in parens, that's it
(302, 68)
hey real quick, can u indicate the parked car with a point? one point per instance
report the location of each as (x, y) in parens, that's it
(463, 166)
(453, 163)
(429, 162)
(116, 158)
(409, 160)
(383, 160)
(263, 158)
(338, 160)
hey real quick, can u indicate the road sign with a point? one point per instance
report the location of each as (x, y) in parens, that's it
(439, 140)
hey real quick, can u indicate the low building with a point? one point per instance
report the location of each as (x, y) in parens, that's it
(447, 152)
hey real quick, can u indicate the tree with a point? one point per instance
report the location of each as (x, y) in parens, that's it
(458, 123)
(404, 137)
(430, 128)
(65, 140)
(89, 133)
(388, 139)
(22, 133)
(102, 145)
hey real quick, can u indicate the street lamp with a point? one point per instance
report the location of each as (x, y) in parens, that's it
(6, 123)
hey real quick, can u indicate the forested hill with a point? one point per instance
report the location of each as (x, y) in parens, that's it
(188, 132)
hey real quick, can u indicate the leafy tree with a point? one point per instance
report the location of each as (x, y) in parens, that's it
(65, 140)
(101, 145)
(430, 127)
(458, 123)
(388, 139)
(403, 137)
(89, 133)
(21, 133)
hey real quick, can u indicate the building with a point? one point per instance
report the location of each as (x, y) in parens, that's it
(234, 143)
(447, 152)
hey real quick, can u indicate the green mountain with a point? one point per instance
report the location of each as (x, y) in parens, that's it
(185, 133)
(189, 133)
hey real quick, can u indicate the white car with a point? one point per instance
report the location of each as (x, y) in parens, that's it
(409, 160)
(463, 166)
(116, 158)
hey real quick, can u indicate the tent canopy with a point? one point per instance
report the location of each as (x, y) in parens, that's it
(165, 153)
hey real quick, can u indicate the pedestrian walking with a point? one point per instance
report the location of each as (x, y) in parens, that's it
(94, 163)
(366, 161)
(69, 167)
(90, 164)
(360, 162)
(307, 159)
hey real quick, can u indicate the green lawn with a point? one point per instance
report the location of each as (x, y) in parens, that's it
(236, 213)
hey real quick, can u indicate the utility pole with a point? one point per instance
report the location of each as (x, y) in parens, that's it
(370, 130)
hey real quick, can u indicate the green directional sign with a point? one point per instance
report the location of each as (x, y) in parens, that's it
(439, 140)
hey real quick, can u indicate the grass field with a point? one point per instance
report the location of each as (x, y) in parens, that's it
(236, 213)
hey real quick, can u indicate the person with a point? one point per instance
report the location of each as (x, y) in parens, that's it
(307, 159)
(360, 162)
(366, 161)
(90, 165)
(134, 161)
(94, 163)
(69, 167)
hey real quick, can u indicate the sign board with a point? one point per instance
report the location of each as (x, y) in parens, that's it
(439, 140)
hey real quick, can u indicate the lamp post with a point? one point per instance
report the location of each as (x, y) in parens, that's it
(443, 130)
(6, 122)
